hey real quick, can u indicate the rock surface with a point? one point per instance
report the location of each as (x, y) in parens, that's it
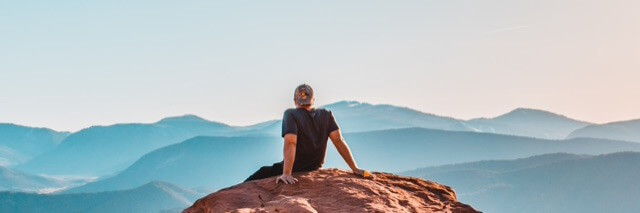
(334, 190)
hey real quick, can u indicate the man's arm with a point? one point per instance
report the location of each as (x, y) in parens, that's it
(289, 152)
(345, 152)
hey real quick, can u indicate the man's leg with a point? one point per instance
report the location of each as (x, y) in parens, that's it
(266, 171)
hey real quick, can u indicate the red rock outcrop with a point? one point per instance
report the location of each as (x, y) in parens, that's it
(334, 190)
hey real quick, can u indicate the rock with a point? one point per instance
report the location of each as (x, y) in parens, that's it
(333, 190)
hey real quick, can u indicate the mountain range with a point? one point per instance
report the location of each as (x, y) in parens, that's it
(18, 144)
(104, 150)
(622, 130)
(355, 116)
(12, 180)
(547, 183)
(193, 163)
(209, 162)
(151, 197)
(358, 117)
(159, 164)
(530, 123)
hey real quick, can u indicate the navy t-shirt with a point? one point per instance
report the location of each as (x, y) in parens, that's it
(312, 128)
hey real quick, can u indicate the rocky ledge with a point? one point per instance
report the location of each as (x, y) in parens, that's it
(333, 190)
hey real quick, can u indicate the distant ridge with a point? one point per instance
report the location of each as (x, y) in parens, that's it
(151, 197)
(13, 180)
(124, 143)
(382, 150)
(387, 116)
(530, 111)
(188, 118)
(357, 104)
(546, 183)
(359, 116)
(529, 122)
(101, 150)
(19, 143)
(621, 130)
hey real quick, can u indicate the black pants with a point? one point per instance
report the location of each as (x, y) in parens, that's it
(266, 171)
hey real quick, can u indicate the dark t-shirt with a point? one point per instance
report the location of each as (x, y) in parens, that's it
(312, 128)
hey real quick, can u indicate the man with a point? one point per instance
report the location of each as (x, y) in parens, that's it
(305, 130)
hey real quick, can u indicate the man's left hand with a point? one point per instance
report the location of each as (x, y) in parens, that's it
(287, 179)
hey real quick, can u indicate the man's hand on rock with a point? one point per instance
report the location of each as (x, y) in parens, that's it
(287, 179)
(362, 173)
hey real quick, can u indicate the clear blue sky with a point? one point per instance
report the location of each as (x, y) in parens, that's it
(72, 64)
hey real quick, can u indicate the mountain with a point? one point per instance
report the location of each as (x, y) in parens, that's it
(478, 176)
(334, 191)
(18, 143)
(405, 149)
(152, 197)
(101, 150)
(12, 180)
(212, 162)
(623, 130)
(217, 162)
(353, 116)
(267, 127)
(530, 123)
(546, 183)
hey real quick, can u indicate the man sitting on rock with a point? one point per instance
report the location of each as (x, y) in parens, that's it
(305, 130)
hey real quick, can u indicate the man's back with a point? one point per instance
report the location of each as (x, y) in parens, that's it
(305, 131)
(312, 129)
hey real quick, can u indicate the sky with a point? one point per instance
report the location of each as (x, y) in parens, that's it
(68, 65)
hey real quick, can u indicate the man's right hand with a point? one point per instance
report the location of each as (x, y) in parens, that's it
(287, 179)
(363, 173)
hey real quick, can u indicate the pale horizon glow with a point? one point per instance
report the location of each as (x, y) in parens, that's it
(68, 65)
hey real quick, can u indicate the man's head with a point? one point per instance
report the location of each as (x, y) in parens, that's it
(303, 96)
